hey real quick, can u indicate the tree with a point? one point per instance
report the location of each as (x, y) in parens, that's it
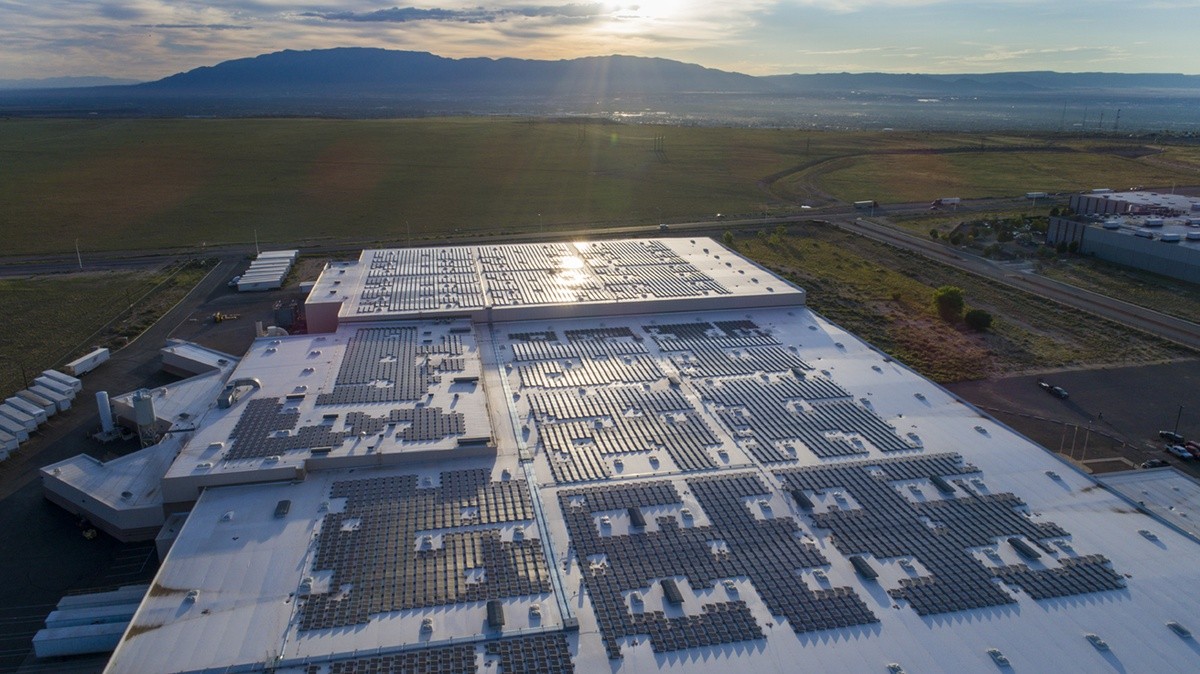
(933, 234)
(949, 302)
(978, 320)
(728, 239)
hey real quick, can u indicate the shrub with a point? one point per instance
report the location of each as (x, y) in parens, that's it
(978, 320)
(948, 300)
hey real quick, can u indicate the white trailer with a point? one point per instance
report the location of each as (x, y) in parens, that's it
(14, 429)
(87, 363)
(48, 406)
(8, 443)
(62, 402)
(29, 408)
(55, 385)
(67, 379)
(78, 640)
(26, 420)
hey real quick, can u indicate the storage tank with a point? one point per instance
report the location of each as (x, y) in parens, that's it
(143, 408)
(105, 409)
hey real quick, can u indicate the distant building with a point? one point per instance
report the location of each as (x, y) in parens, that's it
(1164, 245)
(1100, 202)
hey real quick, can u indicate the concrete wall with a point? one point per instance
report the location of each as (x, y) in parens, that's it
(1177, 260)
(1062, 229)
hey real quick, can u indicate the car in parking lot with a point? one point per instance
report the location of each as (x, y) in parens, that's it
(1155, 463)
(1171, 436)
(1180, 451)
(234, 281)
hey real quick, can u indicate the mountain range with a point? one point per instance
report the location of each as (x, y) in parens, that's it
(364, 82)
(373, 72)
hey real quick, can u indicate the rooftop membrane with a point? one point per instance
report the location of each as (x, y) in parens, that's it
(688, 491)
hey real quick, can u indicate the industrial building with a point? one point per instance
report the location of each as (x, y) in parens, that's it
(626, 456)
(1164, 245)
(1107, 202)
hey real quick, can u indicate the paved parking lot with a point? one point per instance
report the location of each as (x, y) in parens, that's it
(1116, 411)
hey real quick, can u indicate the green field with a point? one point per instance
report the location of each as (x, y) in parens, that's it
(903, 178)
(186, 184)
(49, 320)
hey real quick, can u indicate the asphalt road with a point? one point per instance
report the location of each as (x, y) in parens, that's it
(1147, 320)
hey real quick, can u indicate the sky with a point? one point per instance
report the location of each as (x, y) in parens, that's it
(150, 39)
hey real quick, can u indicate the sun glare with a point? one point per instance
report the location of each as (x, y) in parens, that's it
(659, 9)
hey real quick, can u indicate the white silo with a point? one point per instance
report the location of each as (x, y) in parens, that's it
(105, 409)
(143, 415)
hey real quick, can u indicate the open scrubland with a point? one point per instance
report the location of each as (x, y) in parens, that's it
(49, 320)
(885, 296)
(121, 184)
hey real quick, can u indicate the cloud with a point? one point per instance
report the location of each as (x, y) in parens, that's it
(468, 15)
(190, 26)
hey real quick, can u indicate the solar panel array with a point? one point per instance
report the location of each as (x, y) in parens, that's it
(755, 386)
(702, 349)
(602, 395)
(577, 430)
(769, 552)
(266, 429)
(765, 415)
(418, 279)
(468, 278)
(536, 654)
(939, 533)
(391, 365)
(372, 547)
(421, 424)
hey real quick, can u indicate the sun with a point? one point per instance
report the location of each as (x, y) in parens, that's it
(660, 9)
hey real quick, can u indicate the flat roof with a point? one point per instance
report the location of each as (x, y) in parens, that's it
(1167, 493)
(565, 278)
(808, 498)
(396, 391)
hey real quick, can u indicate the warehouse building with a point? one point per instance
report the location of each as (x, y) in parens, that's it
(487, 463)
(1164, 245)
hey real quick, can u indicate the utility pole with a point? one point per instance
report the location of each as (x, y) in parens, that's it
(256, 250)
(78, 257)
(1177, 415)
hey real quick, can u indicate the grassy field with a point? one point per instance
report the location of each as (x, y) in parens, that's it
(1168, 295)
(50, 320)
(884, 295)
(184, 184)
(901, 178)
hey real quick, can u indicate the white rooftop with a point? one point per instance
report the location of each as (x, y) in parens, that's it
(392, 392)
(748, 460)
(1169, 494)
(515, 281)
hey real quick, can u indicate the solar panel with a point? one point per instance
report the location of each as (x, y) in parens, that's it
(766, 551)
(370, 547)
(940, 534)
